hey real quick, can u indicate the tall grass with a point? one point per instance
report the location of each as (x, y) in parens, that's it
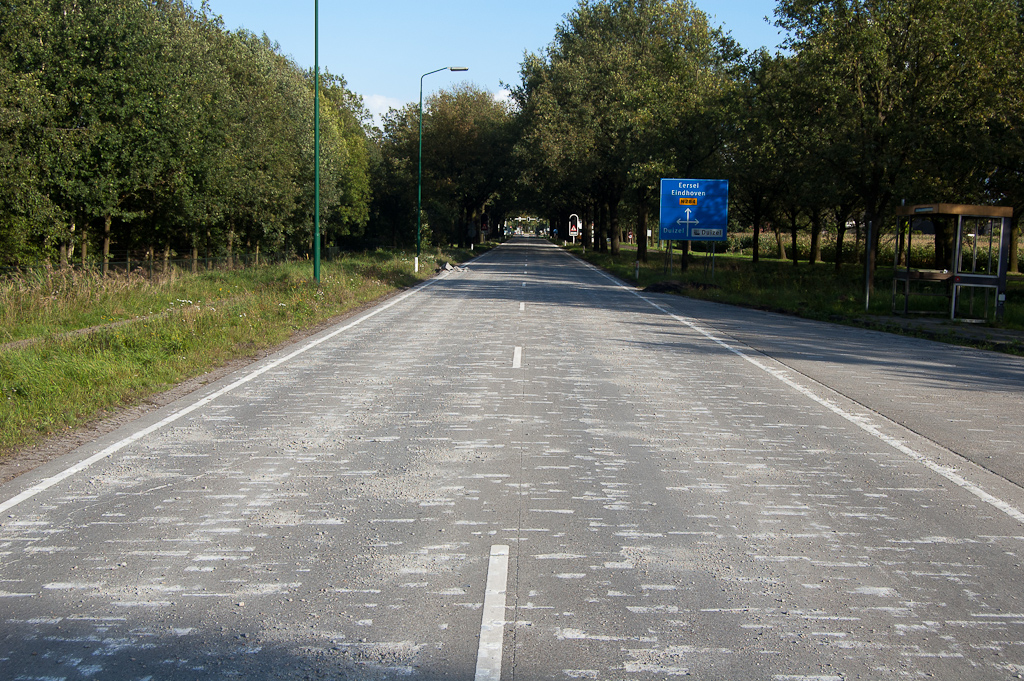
(99, 343)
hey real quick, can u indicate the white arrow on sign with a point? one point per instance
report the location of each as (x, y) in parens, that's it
(687, 221)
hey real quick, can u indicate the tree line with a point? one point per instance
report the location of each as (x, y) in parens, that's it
(870, 103)
(146, 124)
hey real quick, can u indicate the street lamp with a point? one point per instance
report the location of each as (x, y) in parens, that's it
(419, 184)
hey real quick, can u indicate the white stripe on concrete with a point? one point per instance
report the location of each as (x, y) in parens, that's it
(522, 306)
(862, 422)
(517, 359)
(492, 628)
(134, 437)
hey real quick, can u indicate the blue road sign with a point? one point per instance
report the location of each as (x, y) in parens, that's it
(694, 210)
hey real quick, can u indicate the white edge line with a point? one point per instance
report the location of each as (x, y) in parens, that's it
(861, 422)
(134, 437)
(492, 625)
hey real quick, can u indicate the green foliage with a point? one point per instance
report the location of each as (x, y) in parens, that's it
(134, 125)
(467, 141)
(629, 91)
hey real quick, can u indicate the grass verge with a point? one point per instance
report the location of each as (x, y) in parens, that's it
(814, 292)
(94, 344)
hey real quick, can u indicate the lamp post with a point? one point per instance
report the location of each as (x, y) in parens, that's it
(316, 141)
(419, 184)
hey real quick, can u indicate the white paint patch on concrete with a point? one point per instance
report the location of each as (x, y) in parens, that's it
(492, 628)
(517, 358)
(522, 306)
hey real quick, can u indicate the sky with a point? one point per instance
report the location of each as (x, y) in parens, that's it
(383, 47)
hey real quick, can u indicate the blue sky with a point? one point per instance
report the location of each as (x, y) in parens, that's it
(382, 48)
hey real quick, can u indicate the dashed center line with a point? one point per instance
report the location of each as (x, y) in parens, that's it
(522, 306)
(492, 628)
(517, 358)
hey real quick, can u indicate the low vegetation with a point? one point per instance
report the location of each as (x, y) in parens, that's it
(814, 291)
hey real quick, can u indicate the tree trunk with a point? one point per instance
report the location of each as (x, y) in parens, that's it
(779, 244)
(106, 244)
(840, 238)
(757, 238)
(901, 244)
(856, 241)
(796, 253)
(85, 246)
(231, 243)
(67, 247)
(873, 254)
(684, 256)
(941, 241)
(586, 233)
(815, 237)
(167, 256)
(613, 226)
(641, 235)
(1014, 243)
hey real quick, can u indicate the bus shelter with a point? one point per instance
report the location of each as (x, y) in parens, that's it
(967, 267)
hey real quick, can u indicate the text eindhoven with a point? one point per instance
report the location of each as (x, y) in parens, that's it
(686, 189)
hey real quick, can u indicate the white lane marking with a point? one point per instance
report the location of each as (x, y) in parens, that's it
(492, 628)
(522, 306)
(135, 437)
(524, 284)
(517, 359)
(862, 422)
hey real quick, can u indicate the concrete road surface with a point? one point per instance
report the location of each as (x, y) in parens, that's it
(530, 471)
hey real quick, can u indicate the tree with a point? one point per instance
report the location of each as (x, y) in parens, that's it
(466, 147)
(628, 91)
(895, 85)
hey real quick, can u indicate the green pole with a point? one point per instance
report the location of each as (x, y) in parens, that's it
(316, 140)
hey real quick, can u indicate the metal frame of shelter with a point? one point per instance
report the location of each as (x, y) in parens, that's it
(978, 260)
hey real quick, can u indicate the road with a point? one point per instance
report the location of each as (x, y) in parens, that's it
(528, 470)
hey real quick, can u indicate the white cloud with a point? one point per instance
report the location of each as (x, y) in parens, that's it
(504, 96)
(378, 105)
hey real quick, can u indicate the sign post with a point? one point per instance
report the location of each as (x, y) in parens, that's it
(574, 227)
(694, 210)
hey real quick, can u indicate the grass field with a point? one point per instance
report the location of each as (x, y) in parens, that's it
(816, 292)
(77, 344)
